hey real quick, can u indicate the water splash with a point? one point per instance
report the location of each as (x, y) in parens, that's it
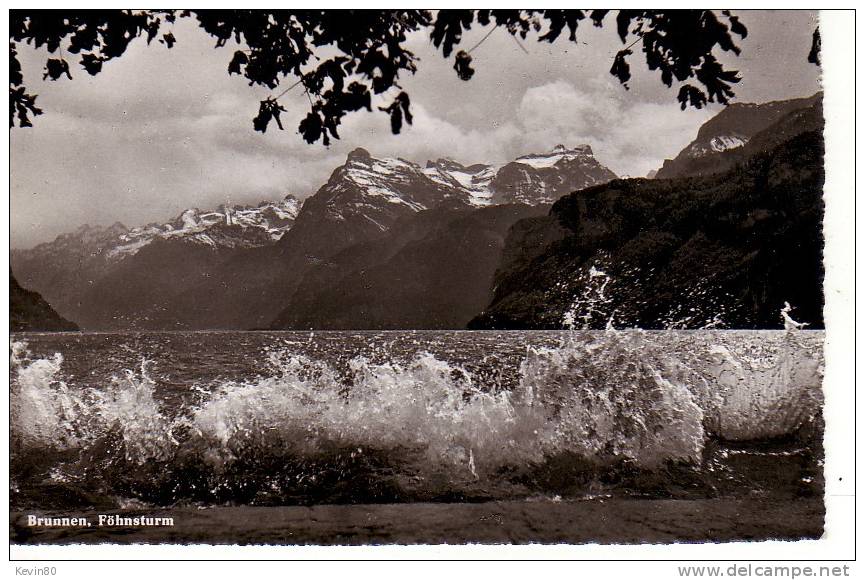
(789, 323)
(767, 389)
(43, 410)
(600, 304)
(646, 399)
(614, 398)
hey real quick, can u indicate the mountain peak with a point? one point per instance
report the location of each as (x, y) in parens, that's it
(582, 149)
(359, 154)
(731, 130)
(445, 163)
(558, 153)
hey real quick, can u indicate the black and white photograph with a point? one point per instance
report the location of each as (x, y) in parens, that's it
(412, 277)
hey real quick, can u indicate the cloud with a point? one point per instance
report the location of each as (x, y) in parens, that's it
(628, 136)
(133, 166)
(160, 130)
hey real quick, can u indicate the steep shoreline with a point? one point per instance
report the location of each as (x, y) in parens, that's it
(720, 251)
(29, 312)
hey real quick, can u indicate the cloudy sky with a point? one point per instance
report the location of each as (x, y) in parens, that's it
(162, 130)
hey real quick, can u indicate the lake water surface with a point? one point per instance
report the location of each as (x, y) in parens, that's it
(114, 420)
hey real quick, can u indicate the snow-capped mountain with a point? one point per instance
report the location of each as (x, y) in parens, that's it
(531, 179)
(366, 196)
(538, 178)
(545, 177)
(227, 226)
(67, 269)
(474, 180)
(234, 267)
(728, 131)
(376, 188)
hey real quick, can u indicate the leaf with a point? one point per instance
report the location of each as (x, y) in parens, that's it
(736, 27)
(262, 120)
(15, 75)
(462, 64)
(55, 68)
(21, 106)
(276, 118)
(404, 102)
(716, 80)
(91, 63)
(621, 69)
(395, 121)
(448, 28)
(398, 110)
(691, 95)
(168, 39)
(597, 17)
(152, 30)
(268, 109)
(311, 128)
(558, 20)
(237, 60)
(623, 23)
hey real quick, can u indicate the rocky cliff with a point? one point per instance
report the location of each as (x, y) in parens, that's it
(725, 250)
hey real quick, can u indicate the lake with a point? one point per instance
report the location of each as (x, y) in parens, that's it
(131, 422)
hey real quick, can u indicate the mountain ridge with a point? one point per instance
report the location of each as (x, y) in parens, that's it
(730, 131)
(237, 267)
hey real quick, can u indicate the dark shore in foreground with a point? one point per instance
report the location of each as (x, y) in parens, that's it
(608, 521)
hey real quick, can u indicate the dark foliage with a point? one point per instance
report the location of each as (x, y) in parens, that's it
(463, 65)
(369, 51)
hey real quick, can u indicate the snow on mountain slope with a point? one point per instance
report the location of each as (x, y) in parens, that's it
(531, 179)
(559, 153)
(473, 181)
(387, 179)
(238, 226)
(545, 177)
(716, 144)
(733, 127)
(724, 142)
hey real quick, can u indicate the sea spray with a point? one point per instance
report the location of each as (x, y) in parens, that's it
(767, 389)
(426, 407)
(43, 410)
(616, 397)
(128, 407)
(413, 425)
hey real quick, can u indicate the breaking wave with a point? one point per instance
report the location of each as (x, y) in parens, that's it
(424, 428)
